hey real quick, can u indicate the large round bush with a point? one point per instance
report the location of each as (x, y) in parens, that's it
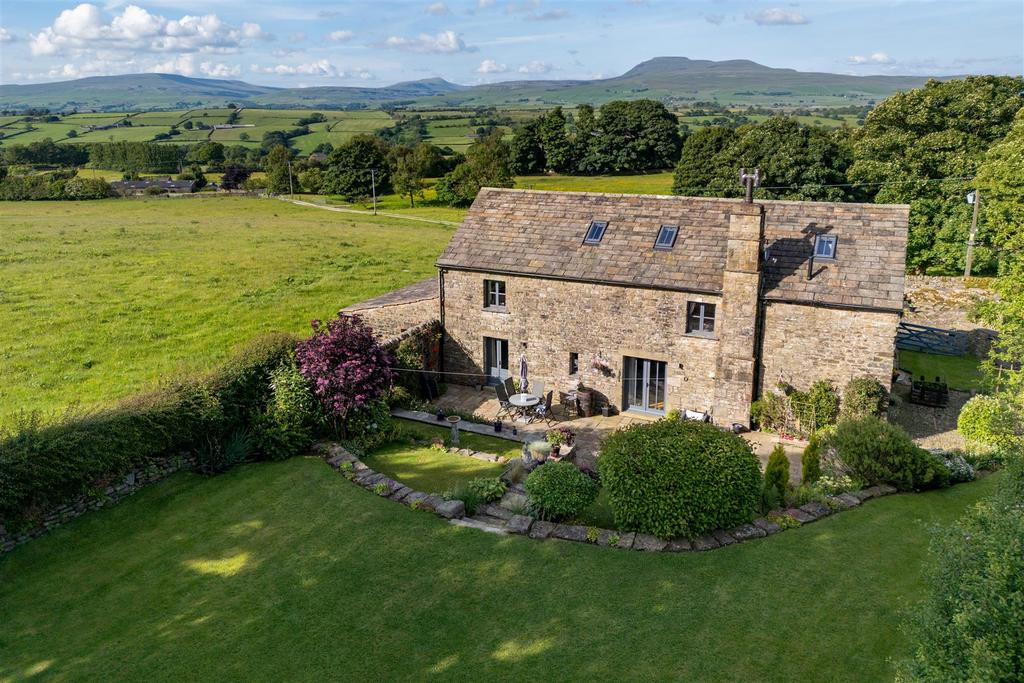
(989, 421)
(672, 478)
(559, 489)
(881, 453)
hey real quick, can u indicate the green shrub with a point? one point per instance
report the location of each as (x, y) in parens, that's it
(42, 463)
(679, 478)
(881, 453)
(243, 383)
(960, 469)
(371, 426)
(487, 489)
(469, 496)
(776, 477)
(539, 449)
(810, 461)
(863, 397)
(286, 427)
(768, 412)
(815, 408)
(990, 422)
(969, 626)
(219, 454)
(559, 489)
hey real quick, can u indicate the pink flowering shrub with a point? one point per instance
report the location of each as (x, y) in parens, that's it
(346, 366)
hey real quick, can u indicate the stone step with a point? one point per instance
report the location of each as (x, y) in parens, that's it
(474, 524)
(495, 511)
(488, 519)
(514, 501)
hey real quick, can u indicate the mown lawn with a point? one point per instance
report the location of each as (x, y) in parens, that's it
(99, 299)
(285, 571)
(962, 373)
(429, 470)
(476, 442)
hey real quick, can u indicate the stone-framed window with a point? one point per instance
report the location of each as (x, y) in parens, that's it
(595, 231)
(700, 319)
(574, 363)
(494, 294)
(825, 247)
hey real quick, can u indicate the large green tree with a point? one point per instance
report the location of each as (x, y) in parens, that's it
(276, 165)
(913, 139)
(525, 149)
(628, 137)
(488, 164)
(357, 167)
(554, 140)
(696, 169)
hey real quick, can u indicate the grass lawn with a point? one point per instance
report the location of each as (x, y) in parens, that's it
(429, 470)
(100, 298)
(648, 183)
(962, 373)
(476, 442)
(286, 571)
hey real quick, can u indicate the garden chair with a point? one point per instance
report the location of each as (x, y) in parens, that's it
(537, 389)
(543, 410)
(510, 386)
(569, 407)
(504, 407)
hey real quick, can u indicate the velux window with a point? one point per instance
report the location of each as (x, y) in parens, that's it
(595, 232)
(494, 294)
(700, 318)
(825, 246)
(666, 237)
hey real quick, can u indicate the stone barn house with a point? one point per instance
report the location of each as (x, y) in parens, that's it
(662, 302)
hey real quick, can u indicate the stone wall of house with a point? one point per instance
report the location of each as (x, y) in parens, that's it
(555, 318)
(391, 320)
(803, 344)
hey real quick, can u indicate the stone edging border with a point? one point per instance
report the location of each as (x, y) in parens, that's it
(497, 519)
(129, 484)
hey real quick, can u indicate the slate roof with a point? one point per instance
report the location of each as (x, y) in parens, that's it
(540, 233)
(418, 291)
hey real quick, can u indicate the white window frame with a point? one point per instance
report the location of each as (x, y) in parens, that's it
(671, 243)
(821, 240)
(601, 227)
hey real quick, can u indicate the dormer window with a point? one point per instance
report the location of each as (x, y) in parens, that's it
(666, 237)
(825, 247)
(595, 232)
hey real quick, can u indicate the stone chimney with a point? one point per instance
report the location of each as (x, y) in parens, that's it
(737, 329)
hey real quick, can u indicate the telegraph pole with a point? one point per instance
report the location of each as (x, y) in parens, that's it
(973, 197)
(291, 186)
(373, 187)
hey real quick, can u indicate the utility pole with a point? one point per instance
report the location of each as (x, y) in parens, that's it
(973, 197)
(750, 181)
(373, 187)
(291, 186)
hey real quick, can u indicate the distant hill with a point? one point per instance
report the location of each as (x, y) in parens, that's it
(675, 80)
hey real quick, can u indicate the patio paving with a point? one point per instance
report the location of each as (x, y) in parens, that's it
(590, 431)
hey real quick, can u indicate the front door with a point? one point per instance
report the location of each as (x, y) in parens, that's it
(644, 385)
(496, 359)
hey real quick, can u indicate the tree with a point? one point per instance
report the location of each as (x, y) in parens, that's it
(349, 168)
(633, 136)
(346, 365)
(555, 141)
(913, 139)
(488, 164)
(207, 153)
(696, 168)
(525, 149)
(409, 165)
(187, 125)
(233, 177)
(194, 173)
(999, 180)
(585, 128)
(278, 173)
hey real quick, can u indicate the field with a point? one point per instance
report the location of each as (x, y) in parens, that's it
(101, 298)
(286, 571)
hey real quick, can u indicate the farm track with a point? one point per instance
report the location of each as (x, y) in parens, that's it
(341, 209)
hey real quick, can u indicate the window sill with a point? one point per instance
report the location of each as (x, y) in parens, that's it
(702, 335)
(495, 309)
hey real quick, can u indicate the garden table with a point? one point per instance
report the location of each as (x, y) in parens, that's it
(523, 402)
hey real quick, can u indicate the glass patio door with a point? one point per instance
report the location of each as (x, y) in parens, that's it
(644, 385)
(496, 359)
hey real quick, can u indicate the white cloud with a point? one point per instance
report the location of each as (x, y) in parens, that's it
(550, 15)
(777, 17)
(6, 36)
(321, 67)
(438, 9)
(445, 42)
(220, 70)
(535, 67)
(485, 3)
(135, 29)
(489, 66)
(873, 58)
(341, 36)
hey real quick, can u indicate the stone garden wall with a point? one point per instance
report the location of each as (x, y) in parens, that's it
(110, 495)
(946, 302)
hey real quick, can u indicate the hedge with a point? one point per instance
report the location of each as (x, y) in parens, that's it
(671, 478)
(42, 464)
(877, 452)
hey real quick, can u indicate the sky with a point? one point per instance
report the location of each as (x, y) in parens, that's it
(378, 42)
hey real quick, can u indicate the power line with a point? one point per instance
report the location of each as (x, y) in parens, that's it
(817, 185)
